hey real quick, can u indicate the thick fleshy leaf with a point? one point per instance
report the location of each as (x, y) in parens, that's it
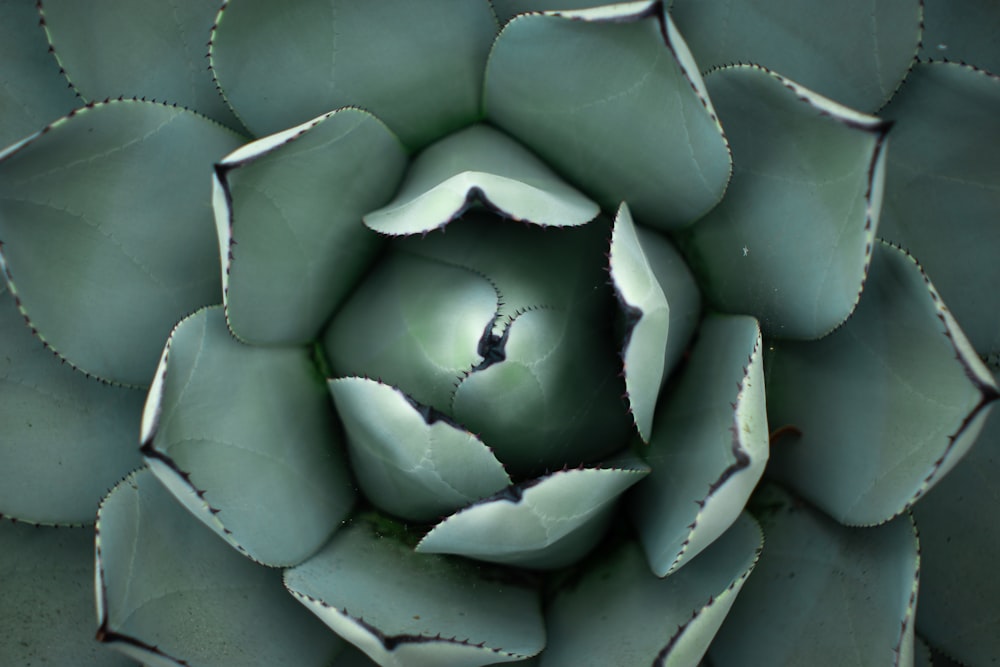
(288, 212)
(823, 594)
(406, 609)
(507, 9)
(412, 461)
(854, 51)
(962, 31)
(150, 50)
(709, 448)
(791, 242)
(884, 406)
(942, 196)
(417, 66)
(246, 438)
(170, 592)
(66, 438)
(618, 613)
(480, 165)
(32, 91)
(105, 218)
(611, 98)
(959, 539)
(545, 523)
(47, 598)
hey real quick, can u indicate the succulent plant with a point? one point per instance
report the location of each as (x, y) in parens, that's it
(546, 332)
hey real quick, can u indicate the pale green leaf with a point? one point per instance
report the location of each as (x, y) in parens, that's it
(107, 232)
(962, 31)
(246, 438)
(406, 609)
(882, 408)
(170, 592)
(288, 212)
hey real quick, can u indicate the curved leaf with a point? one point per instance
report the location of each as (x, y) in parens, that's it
(545, 523)
(107, 233)
(66, 438)
(854, 51)
(709, 448)
(611, 98)
(408, 609)
(288, 212)
(170, 592)
(959, 539)
(884, 406)
(647, 316)
(823, 594)
(619, 613)
(412, 461)
(148, 50)
(247, 440)
(479, 165)
(791, 242)
(963, 31)
(422, 76)
(942, 196)
(32, 91)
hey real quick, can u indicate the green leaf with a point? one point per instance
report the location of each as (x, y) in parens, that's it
(619, 613)
(149, 50)
(66, 437)
(412, 461)
(409, 609)
(422, 75)
(941, 189)
(170, 592)
(823, 594)
(47, 607)
(288, 212)
(791, 242)
(647, 318)
(479, 165)
(709, 448)
(959, 538)
(884, 406)
(611, 98)
(107, 235)
(32, 91)
(544, 523)
(962, 31)
(246, 438)
(854, 51)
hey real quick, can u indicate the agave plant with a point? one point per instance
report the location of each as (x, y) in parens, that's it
(458, 333)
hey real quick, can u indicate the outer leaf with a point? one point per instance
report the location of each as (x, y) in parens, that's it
(647, 316)
(412, 461)
(710, 446)
(32, 91)
(619, 614)
(170, 593)
(415, 610)
(942, 195)
(854, 51)
(66, 438)
(47, 601)
(288, 212)
(611, 98)
(154, 50)
(824, 594)
(962, 30)
(546, 523)
(792, 240)
(959, 539)
(422, 76)
(885, 406)
(480, 165)
(246, 439)
(107, 231)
